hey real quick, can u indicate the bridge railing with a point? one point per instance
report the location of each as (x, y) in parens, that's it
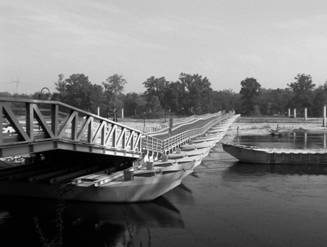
(176, 140)
(152, 144)
(25, 121)
(29, 126)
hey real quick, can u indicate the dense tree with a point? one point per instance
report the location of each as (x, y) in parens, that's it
(97, 99)
(175, 97)
(274, 101)
(198, 93)
(156, 87)
(250, 90)
(224, 100)
(153, 107)
(114, 84)
(302, 90)
(113, 88)
(78, 91)
(319, 100)
(5, 94)
(134, 105)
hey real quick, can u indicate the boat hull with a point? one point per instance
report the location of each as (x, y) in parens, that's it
(296, 157)
(136, 190)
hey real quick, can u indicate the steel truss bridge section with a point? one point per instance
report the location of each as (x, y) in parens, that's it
(34, 126)
(38, 126)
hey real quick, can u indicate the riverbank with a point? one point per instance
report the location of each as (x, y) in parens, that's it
(262, 125)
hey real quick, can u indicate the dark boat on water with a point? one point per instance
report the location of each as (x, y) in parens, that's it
(251, 154)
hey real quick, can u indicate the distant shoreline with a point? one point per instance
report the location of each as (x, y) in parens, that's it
(262, 125)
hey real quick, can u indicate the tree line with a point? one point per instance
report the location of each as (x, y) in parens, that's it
(189, 94)
(300, 93)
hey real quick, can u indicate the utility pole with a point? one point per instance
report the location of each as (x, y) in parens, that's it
(17, 82)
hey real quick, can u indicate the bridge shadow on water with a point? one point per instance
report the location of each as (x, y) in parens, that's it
(244, 169)
(38, 222)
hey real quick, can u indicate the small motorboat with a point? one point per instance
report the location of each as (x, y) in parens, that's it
(143, 185)
(119, 187)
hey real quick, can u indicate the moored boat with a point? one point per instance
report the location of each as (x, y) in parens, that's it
(173, 165)
(101, 187)
(196, 159)
(188, 147)
(201, 153)
(178, 155)
(207, 144)
(143, 186)
(197, 152)
(247, 154)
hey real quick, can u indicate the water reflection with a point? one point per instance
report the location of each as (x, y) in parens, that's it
(181, 195)
(160, 213)
(4, 215)
(299, 140)
(258, 170)
(58, 223)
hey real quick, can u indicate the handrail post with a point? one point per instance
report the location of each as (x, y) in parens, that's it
(152, 147)
(74, 127)
(54, 119)
(29, 120)
(140, 144)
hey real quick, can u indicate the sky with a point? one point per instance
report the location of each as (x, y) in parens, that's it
(225, 40)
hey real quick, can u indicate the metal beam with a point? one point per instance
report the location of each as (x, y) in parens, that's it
(30, 120)
(54, 119)
(41, 121)
(14, 122)
(120, 137)
(72, 116)
(85, 125)
(98, 131)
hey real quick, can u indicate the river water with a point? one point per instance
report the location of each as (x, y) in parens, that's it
(222, 204)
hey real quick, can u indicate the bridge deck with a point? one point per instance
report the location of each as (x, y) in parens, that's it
(34, 126)
(184, 127)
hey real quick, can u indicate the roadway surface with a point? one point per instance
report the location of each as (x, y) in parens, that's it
(197, 124)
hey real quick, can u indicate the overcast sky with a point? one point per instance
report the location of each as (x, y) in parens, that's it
(225, 40)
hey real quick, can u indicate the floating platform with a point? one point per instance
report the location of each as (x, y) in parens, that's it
(248, 154)
(100, 186)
